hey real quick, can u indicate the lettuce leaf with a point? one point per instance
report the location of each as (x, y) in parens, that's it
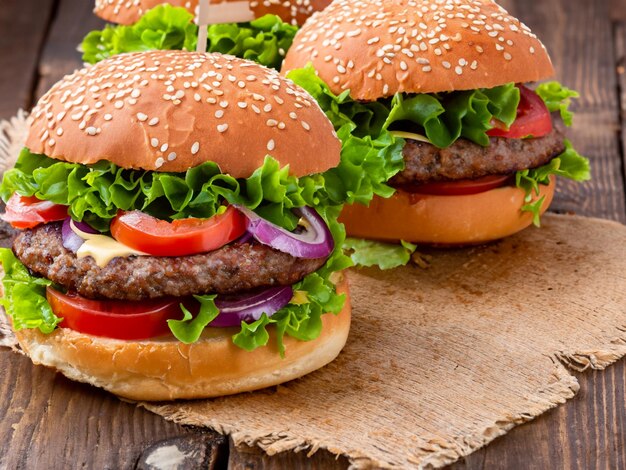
(24, 297)
(95, 193)
(558, 98)
(165, 27)
(446, 117)
(442, 117)
(570, 164)
(373, 253)
(370, 155)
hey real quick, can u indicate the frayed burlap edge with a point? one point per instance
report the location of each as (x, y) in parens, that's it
(440, 453)
(13, 134)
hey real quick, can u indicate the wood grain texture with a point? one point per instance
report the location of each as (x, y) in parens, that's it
(579, 38)
(23, 27)
(59, 57)
(588, 432)
(620, 68)
(51, 422)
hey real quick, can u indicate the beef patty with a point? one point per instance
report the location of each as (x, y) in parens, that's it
(230, 269)
(466, 160)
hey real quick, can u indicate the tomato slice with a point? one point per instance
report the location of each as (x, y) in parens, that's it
(118, 319)
(533, 118)
(27, 211)
(180, 237)
(458, 188)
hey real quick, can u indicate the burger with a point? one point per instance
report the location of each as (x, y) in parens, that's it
(442, 90)
(176, 236)
(155, 24)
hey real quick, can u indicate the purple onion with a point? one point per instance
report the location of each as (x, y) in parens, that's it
(315, 241)
(250, 307)
(71, 240)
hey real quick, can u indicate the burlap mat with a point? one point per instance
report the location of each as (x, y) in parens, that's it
(440, 361)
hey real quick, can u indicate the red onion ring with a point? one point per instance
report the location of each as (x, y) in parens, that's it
(71, 240)
(315, 242)
(249, 308)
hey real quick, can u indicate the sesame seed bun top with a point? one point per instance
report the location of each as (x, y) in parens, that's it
(129, 11)
(376, 48)
(173, 110)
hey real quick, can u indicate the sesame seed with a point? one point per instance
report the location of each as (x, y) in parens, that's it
(108, 117)
(446, 64)
(60, 131)
(507, 56)
(458, 70)
(219, 113)
(195, 148)
(271, 122)
(91, 130)
(293, 115)
(154, 142)
(171, 156)
(159, 162)
(271, 144)
(164, 147)
(142, 117)
(222, 127)
(267, 108)
(305, 125)
(242, 104)
(153, 121)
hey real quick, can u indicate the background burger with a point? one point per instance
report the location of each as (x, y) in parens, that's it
(176, 241)
(442, 89)
(264, 36)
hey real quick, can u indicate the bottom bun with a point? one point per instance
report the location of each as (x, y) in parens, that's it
(166, 369)
(444, 220)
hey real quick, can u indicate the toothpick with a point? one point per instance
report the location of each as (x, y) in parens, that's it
(203, 13)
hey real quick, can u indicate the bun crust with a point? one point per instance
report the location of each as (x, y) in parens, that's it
(443, 220)
(376, 48)
(166, 369)
(128, 12)
(173, 110)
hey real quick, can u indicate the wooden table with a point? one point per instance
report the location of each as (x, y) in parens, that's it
(47, 421)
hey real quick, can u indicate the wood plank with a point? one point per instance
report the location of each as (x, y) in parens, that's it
(620, 60)
(578, 35)
(587, 432)
(52, 422)
(245, 458)
(74, 19)
(23, 24)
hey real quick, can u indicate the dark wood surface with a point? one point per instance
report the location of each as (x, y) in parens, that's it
(47, 421)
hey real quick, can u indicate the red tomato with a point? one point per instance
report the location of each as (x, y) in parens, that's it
(119, 319)
(27, 211)
(533, 118)
(180, 237)
(460, 187)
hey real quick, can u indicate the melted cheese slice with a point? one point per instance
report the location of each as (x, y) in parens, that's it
(410, 135)
(102, 248)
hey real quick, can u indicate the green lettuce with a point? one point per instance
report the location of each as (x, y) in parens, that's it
(558, 98)
(94, 193)
(373, 253)
(446, 117)
(24, 297)
(370, 155)
(442, 117)
(570, 164)
(164, 27)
